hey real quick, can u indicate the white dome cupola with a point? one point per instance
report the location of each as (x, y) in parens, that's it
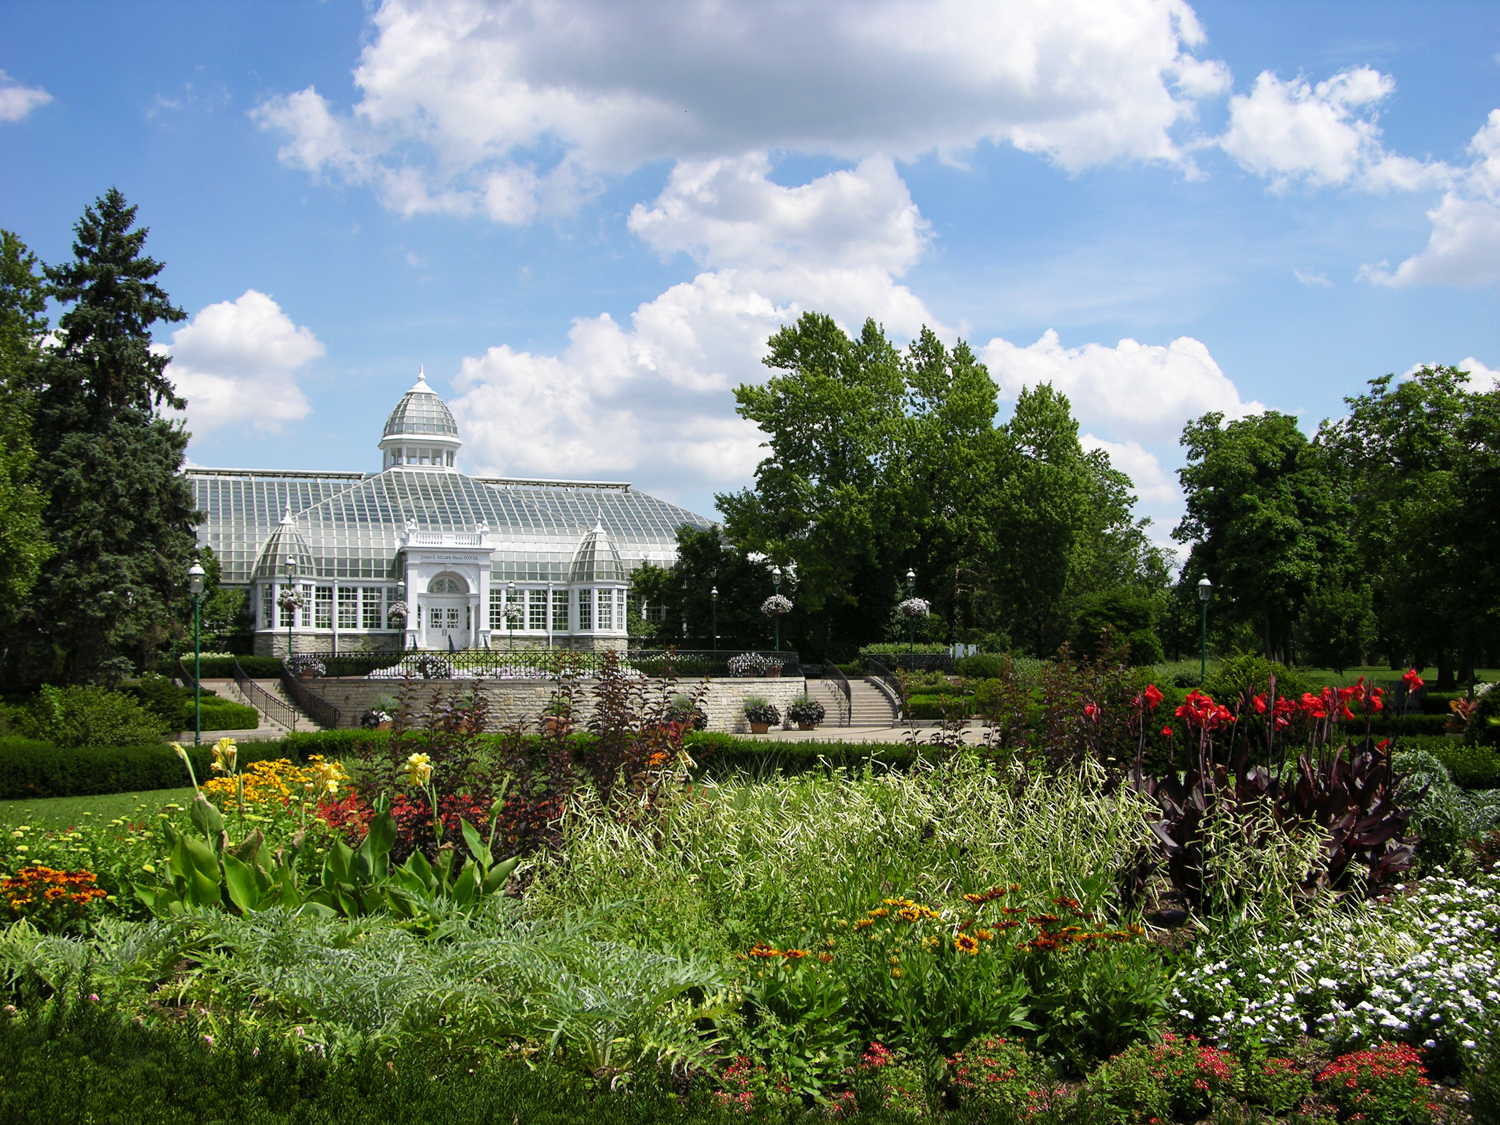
(421, 432)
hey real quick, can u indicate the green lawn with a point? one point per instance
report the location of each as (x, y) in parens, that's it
(67, 812)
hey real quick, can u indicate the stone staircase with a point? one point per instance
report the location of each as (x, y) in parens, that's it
(869, 706)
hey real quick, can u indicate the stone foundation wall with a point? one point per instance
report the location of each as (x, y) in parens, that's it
(270, 643)
(524, 700)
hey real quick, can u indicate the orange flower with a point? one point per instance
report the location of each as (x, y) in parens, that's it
(965, 943)
(795, 954)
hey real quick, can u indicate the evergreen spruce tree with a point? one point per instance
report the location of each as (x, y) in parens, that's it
(118, 510)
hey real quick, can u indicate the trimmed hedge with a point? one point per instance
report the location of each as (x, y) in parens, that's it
(31, 769)
(221, 714)
(931, 706)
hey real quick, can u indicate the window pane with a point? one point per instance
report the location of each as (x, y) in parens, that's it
(585, 611)
(323, 607)
(348, 607)
(536, 610)
(287, 617)
(453, 617)
(267, 606)
(606, 609)
(370, 613)
(559, 611)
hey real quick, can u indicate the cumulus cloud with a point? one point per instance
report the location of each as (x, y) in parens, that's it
(1311, 279)
(17, 101)
(1481, 377)
(1464, 247)
(658, 392)
(1136, 391)
(1323, 135)
(235, 362)
(514, 109)
(1131, 400)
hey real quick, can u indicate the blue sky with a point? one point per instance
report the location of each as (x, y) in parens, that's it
(585, 218)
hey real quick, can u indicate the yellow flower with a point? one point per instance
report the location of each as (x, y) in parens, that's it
(965, 943)
(225, 755)
(419, 769)
(863, 922)
(897, 973)
(983, 935)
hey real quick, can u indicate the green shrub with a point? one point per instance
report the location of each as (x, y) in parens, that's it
(981, 666)
(926, 706)
(88, 716)
(29, 768)
(1470, 766)
(1250, 673)
(1174, 1080)
(901, 648)
(159, 695)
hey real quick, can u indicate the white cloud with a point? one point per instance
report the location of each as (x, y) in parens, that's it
(1481, 377)
(657, 394)
(727, 213)
(1153, 486)
(1128, 392)
(235, 362)
(1324, 135)
(1464, 247)
(516, 109)
(1310, 279)
(16, 100)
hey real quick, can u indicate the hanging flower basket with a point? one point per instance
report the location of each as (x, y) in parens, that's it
(397, 610)
(777, 605)
(291, 599)
(914, 607)
(513, 616)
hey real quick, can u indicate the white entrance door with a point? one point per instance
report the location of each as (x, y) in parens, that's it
(446, 613)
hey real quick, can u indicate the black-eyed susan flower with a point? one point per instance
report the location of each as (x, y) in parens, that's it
(966, 943)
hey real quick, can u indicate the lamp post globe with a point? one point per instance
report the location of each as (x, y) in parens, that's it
(1205, 592)
(776, 583)
(195, 588)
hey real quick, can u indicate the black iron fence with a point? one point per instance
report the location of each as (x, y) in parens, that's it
(538, 664)
(915, 662)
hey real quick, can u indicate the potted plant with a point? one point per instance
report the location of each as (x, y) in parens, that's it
(761, 714)
(806, 713)
(556, 717)
(307, 666)
(745, 664)
(683, 710)
(382, 713)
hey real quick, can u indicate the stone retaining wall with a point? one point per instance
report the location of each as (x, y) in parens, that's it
(524, 700)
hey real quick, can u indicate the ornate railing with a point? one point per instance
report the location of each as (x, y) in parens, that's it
(318, 709)
(189, 681)
(832, 671)
(916, 662)
(277, 710)
(545, 664)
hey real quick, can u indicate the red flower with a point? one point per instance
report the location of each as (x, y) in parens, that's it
(1260, 704)
(1412, 680)
(1153, 696)
(1167, 731)
(1091, 712)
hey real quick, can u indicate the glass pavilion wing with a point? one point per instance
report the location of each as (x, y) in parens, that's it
(244, 508)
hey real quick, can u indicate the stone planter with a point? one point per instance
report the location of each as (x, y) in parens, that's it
(555, 724)
(773, 672)
(307, 674)
(385, 725)
(807, 726)
(759, 728)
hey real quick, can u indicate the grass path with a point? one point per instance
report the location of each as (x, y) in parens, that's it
(67, 812)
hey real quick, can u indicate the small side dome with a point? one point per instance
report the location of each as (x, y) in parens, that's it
(421, 413)
(286, 542)
(596, 559)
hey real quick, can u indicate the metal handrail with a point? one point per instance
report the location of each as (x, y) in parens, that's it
(834, 672)
(325, 714)
(888, 680)
(189, 681)
(277, 710)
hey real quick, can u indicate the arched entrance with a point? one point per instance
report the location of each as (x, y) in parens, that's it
(447, 613)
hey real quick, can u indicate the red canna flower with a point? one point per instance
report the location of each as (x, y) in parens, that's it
(1412, 680)
(1260, 704)
(1091, 712)
(1153, 696)
(1167, 731)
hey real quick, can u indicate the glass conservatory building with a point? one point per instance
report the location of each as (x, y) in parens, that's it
(419, 555)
